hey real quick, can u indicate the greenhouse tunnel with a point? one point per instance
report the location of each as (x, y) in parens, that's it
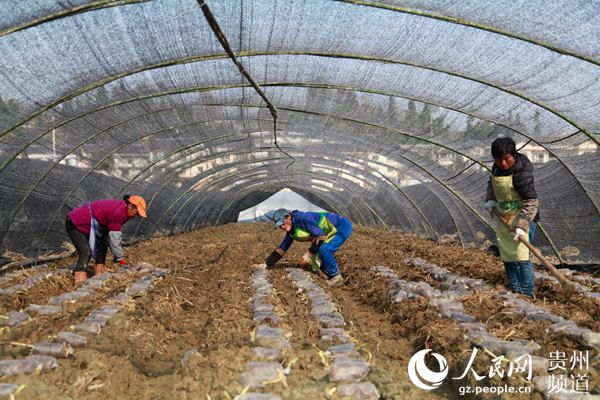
(385, 112)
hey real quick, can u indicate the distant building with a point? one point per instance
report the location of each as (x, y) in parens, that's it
(42, 153)
(534, 152)
(586, 148)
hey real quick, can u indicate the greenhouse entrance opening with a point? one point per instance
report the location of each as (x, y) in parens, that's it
(285, 198)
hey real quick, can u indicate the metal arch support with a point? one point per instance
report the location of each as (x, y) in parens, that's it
(319, 54)
(423, 219)
(58, 161)
(471, 24)
(296, 110)
(461, 200)
(96, 5)
(225, 180)
(268, 84)
(300, 111)
(156, 223)
(408, 218)
(114, 3)
(471, 209)
(184, 166)
(139, 223)
(227, 153)
(179, 150)
(39, 180)
(430, 142)
(379, 128)
(331, 181)
(367, 169)
(311, 174)
(428, 173)
(433, 142)
(112, 152)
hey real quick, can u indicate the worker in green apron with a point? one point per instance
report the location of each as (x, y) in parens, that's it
(511, 193)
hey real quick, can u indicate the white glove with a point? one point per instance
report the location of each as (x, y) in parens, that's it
(519, 232)
(306, 259)
(489, 206)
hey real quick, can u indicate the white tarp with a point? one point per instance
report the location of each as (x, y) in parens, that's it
(285, 198)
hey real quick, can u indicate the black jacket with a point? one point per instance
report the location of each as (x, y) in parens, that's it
(523, 182)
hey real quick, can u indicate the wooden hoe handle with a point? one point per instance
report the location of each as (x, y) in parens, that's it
(566, 284)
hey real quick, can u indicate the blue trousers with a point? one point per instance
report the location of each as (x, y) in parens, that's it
(520, 276)
(344, 229)
(532, 226)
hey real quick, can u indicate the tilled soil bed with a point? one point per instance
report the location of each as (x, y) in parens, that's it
(203, 303)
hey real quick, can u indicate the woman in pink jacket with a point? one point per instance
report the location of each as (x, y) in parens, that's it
(95, 226)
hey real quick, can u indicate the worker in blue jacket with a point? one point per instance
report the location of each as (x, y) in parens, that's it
(326, 232)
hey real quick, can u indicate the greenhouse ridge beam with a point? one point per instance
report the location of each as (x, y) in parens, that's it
(471, 24)
(214, 26)
(220, 35)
